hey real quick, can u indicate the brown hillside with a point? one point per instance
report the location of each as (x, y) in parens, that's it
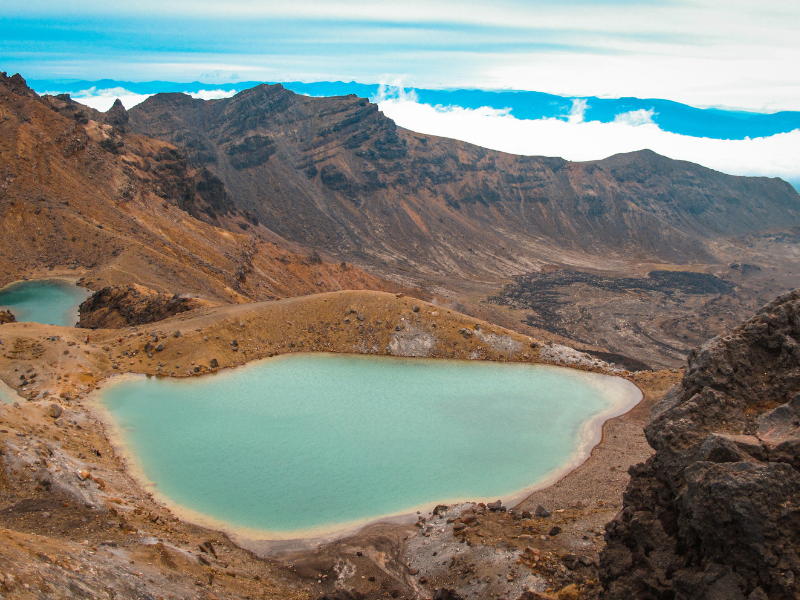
(355, 321)
(79, 192)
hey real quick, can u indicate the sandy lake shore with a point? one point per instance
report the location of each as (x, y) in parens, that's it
(65, 467)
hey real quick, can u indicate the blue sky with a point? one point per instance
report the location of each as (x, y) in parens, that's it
(733, 53)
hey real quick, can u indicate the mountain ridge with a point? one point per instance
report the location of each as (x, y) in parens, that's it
(371, 189)
(82, 195)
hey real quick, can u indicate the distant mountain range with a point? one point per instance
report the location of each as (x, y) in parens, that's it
(668, 115)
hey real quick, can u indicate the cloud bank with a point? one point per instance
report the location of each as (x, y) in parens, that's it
(576, 139)
(103, 99)
(703, 53)
(569, 136)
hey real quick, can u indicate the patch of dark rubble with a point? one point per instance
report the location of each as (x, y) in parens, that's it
(122, 306)
(715, 512)
(546, 293)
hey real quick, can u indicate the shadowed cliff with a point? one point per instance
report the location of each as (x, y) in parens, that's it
(715, 513)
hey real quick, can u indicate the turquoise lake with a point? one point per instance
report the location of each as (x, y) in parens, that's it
(48, 301)
(305, 443)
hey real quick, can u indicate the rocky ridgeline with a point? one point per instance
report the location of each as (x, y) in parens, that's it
(715, 513)
(354, 184)
(122, 306)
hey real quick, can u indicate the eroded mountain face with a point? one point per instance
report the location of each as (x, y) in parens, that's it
(334, 173)
(80, 193)
(202, 211)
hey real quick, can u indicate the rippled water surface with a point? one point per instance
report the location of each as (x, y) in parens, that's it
(306, 442)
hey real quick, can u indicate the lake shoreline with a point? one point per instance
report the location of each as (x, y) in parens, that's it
(63, 310)
(68, 369)
(591, 434)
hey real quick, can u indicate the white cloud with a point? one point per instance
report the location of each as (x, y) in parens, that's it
(636, 117)
(103, 99)
(578, 111)
(393, 91)
(579, 140)
(212, 94)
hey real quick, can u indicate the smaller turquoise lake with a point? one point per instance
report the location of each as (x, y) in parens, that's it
(48, 301)
(304, 444)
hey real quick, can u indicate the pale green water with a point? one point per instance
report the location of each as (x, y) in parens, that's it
(310, 441)
(8, 395)
(48, 301)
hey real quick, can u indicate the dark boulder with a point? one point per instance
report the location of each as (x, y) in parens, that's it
(447, 594)
(542, 512)
(116, 307)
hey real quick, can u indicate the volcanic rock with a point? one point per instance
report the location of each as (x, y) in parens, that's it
(715, 513)
(121, 306)
(117, 117)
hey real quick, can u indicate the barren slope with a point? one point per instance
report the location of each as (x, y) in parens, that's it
(334, 173)
(81, 195)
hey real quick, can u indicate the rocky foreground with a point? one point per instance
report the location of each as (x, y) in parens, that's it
(715, 513)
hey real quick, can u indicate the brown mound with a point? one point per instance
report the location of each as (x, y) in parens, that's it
(115, 307)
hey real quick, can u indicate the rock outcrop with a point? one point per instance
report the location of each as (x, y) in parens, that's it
(715, 513)
(122, 306)
(6, 316)
(117, 117)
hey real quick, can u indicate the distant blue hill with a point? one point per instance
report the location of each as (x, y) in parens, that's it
(669, 116)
